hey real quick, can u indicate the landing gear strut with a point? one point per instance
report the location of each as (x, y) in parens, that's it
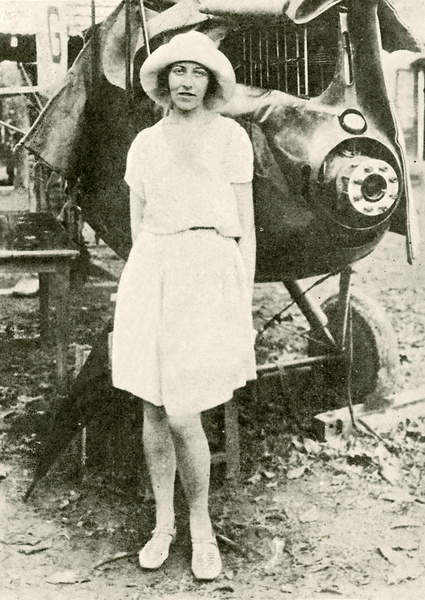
(352, 349)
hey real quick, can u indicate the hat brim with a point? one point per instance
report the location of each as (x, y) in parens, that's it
(194, 47)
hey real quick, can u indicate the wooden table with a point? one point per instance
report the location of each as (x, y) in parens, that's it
(36, 243)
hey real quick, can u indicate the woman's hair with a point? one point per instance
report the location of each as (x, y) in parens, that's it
(164, 88)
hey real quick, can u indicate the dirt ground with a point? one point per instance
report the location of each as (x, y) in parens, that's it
(308, 520)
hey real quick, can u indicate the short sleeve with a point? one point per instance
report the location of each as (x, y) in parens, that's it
(136, 163)
(240, 156)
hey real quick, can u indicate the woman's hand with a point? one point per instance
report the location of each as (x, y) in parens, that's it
(243, 193)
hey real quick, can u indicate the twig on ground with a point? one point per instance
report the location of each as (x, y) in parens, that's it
(230, 543)
(390, 447)
(118, 556)
(235, 546)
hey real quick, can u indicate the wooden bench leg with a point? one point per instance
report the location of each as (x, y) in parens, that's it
(62, 324)
(81, 354)
(231, 425)
(43, 279)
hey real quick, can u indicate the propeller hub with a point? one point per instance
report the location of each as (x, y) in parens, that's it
(370, 185)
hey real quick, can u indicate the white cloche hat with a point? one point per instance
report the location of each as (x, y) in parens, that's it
(195, 47)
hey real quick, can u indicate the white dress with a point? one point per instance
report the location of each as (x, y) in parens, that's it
(183, 324)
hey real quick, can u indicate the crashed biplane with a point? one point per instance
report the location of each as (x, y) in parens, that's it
(330, 169)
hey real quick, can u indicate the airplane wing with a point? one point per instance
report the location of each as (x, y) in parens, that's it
(59, 136)
(396, 35)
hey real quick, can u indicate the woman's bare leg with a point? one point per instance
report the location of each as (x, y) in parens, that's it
(194, 463)
(161, 462)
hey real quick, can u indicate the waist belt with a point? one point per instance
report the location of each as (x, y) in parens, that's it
(195, 228)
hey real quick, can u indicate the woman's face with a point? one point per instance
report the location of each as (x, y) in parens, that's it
(188, 83)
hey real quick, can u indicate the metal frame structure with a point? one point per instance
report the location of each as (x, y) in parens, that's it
(340, 345)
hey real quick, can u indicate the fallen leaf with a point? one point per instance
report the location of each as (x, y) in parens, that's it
(407, 570)
(309, 515)
(343, 468)
(29, 399)
(278, 546)
(297, 472)
(22, 539)
(403, 522)
(280, 498)
(391, 473)
(359, 578)
(297, 443)
(3, 416)
(45, 385)
(396, 576)
(67, 576)
(336, 443)
(421, 552)
(397, 495)
(405, 546)
(309, 561)
(256, 478)
(321, 566)
(260, 498)
(311, 446)
(330, 590)
(390, 555)
(74, 496)
(330, 585)
(34, 549)
(271, 484)
(339, 480)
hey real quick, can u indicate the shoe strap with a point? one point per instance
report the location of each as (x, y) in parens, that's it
(170, 532)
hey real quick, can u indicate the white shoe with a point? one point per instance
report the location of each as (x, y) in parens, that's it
(155, 552)
(206, 559)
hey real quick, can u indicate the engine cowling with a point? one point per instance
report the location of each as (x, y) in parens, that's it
(359, 184)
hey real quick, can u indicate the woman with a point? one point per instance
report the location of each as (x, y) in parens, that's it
(183, 328)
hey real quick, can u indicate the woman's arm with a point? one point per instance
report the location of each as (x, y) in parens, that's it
(137, 203)
(243, 193)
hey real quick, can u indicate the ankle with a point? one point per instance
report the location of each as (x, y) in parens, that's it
(165, 521)
(165, 525)
(200, 527)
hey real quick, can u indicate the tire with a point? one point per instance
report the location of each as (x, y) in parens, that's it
(375, 353)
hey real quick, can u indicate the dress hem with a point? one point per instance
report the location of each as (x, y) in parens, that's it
(229, 397)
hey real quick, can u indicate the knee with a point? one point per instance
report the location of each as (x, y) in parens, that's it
(154, 415)
(184, 427)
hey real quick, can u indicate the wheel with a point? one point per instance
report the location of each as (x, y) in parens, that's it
(375, 353)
